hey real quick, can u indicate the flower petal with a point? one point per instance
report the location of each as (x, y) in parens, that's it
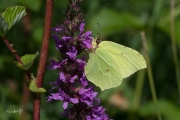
(81, 28)
(74, 100)
(65, 105)
(72, 53)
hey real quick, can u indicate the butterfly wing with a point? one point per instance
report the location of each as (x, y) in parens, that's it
(100, 71)
(110, 63)
(128, 59)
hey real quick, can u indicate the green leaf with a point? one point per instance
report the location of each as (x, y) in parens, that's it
(28, 3)
(169, 110)
(3, 26)
(10, 17)
(111, 21)
(27, 61)
(33, 87)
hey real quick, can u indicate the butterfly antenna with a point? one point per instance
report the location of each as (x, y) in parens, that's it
(99, 38)
(98, 25)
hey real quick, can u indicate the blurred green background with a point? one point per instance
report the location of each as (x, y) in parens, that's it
(120, 21)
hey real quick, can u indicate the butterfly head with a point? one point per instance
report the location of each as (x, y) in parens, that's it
(96, 42)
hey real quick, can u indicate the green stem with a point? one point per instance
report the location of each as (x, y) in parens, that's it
(165, 20)
(174, 44)
(150, 76)
(138, 89)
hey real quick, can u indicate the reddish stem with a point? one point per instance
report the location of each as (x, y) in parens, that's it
(15, 54)
(43, 57)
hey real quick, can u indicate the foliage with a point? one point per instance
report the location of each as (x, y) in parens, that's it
(120, 21)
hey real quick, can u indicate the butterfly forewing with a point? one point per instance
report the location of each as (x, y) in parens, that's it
(128, 59)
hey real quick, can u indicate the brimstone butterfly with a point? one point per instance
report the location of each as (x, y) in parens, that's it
(110, 62)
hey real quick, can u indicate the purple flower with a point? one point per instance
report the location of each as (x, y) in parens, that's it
(81, 64)
(62, 77)
(55, 64)
(84, 81)
(61, 95)
(66, 39)
(80, 102)
(72, 53)
(81, 27)
(73, 78)
(97, 113)
(86, 37)
(58, 30)
(87, 95)
(67, 78)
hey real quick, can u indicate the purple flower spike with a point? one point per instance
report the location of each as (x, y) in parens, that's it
(80, 102)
